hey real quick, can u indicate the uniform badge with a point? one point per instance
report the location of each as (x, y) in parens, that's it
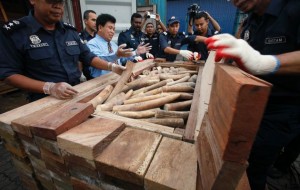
(247, 35)
(275, 40)
(169, 42)
(34, 39)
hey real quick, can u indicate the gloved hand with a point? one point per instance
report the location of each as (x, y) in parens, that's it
(59, 90)
(138, 58)
(121, 52)
(82, 78)
(142, 48)
(186, 54)
(245, 56)
(149, 56)
(197, 56)
(116, 68)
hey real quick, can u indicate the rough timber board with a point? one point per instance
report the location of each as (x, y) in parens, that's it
(84, 90)
(129, 155)
(62, 120)
(194, 112)
(174, 166)
(237, 119)
(134, 123)
(88, 139)
(215, 173)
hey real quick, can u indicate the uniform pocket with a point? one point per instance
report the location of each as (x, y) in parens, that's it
(40, 53)
(73, 50)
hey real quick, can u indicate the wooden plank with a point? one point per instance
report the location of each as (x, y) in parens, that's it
(180, 64)
(48, 145)
(62, 120)
(174, 166)
(215, 173)
(129, 155)
(236, 119)
(164, 130)
(79, 185)
(85, 89)
(123, 80)
(88, 139)
(193, 114)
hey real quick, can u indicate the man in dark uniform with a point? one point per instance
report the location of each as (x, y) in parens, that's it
(201, 23)
(40, 54)
(273, 32)
(89, 17)
(134, 37)
(171, 41)
(89, 32)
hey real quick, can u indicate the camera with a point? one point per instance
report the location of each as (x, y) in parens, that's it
(149, 15)
(192, 11)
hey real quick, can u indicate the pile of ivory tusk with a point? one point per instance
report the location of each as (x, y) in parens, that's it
(161, 95)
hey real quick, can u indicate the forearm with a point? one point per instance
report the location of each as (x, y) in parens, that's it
(100, 64)
(289, 63)
(25, 83)
(170, 50)
(163, 27)
(190, 29)
(214, 23)
(200, 38)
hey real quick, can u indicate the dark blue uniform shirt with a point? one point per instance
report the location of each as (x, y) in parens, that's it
(85, 36)
(277, 32)
(52, 56)
(200, 47)
(167, 40)
(131, 38)
(154, 42)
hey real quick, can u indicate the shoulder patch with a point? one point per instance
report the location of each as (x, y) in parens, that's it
(68, 25)
(12, 26)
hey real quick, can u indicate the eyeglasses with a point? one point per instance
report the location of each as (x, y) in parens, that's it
(55, 1)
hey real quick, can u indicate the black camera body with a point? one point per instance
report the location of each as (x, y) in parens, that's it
(192, 11)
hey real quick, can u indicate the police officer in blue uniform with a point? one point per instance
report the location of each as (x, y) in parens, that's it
(89, 17)
(40, 54)
(272, 31)
(171, 41)
(133, 36)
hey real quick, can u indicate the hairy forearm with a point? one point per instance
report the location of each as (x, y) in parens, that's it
(214, 23)
(25, 83)
(100, 63)
(290, 63)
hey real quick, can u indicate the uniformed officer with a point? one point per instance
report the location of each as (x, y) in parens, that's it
(40, 54)
(89, 32)
(171, 41)
(89, 18)
(273, 32)
(201, 22)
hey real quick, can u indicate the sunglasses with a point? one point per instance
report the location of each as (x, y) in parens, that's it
(55, 1)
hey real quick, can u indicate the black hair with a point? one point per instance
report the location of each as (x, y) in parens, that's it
(135, 15)
(200, 15)
(149, 23)
(104, 18)
(86, 14)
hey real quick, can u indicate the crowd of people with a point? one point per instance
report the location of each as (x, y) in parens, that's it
(45, 56)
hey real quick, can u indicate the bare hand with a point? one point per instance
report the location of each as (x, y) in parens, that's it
(143, 48)
(121, 52)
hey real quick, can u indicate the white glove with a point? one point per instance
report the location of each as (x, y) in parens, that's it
(116, 68)
(121, 52)
(138, 58)
(243, 54)
(59, 90)
(186, 54)
(197, 56)
(82, 78)
(149, 56)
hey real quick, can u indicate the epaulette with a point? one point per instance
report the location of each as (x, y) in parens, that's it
(68, 25)
(12, 26)
(125, 30)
